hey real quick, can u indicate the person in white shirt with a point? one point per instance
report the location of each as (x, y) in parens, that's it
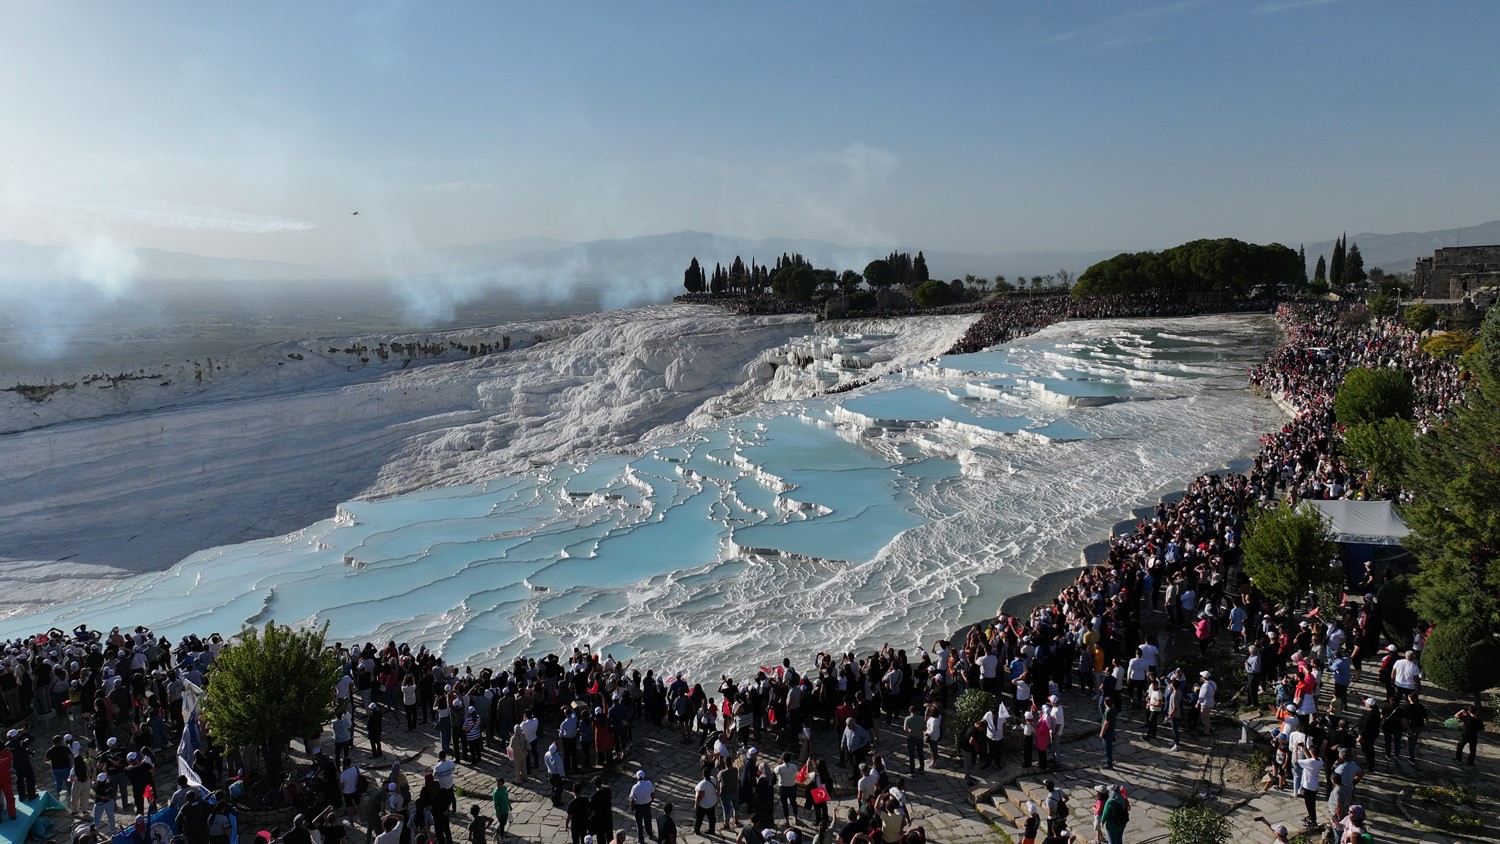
(348, 785)
(989, 664)
(640, 803)
(1206, 701)
(705, 798)
(994, 733)
(1406, 675)
(934, 732)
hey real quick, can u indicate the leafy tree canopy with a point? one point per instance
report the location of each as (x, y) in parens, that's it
(1368, 395)
(1462, 655)
(1420, 317)
(1383, 447)
(270, 686)
(933, 293)
(1224, 266)
(1450, 344)
(1289, 550)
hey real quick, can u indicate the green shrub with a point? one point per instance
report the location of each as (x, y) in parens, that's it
(1462, 656)
(1194, 823)
(970, 707)
(1396, 615)
(1259, 761)
(1368, 395)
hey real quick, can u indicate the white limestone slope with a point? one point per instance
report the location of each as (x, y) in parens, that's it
(136, 475)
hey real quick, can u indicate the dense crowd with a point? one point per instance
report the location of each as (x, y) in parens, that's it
(566, 718)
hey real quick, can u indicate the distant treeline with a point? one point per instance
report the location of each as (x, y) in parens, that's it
(1223, 266)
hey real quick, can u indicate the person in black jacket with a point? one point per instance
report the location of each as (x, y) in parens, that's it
(1369, 732)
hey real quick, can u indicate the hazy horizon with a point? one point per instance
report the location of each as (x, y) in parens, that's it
(255, 132)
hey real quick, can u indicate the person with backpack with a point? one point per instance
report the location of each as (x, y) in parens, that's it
(1115, 815)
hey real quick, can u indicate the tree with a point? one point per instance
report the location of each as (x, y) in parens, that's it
(1462, 656)
(270, 686)
(1302, 260)
(919, 268)
(1382, 447)
(1382, 305)
(933, 294)
(1368, 395)
(1421, 317)
(1336, 264)
(1320, 273)
(1450, 344)
(692, 277)
(1489, 340)
(878, 274)
(1064, 279)
(1354, 267)
(849, 282)
(1001, 285)
(1289, 550)
(1454, 511)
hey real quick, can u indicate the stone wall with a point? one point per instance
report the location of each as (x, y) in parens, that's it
(1456, 271)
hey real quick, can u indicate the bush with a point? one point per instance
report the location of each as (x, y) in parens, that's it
(969, 708)
(1462, 656)
(933, 294)
(1368, 395)
(269, 687)
(1420, 317)
(1289, 550)
(1397, 618)
(1194, 823)
(1384, 447)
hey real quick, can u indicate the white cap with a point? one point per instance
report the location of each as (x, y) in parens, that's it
(640, 775)
(1203, 674)
(12, 733)
(102, 778)
(1279, 829)
(112, 742)
(131, 757)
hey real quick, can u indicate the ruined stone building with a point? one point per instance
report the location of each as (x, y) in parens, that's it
(1454, 272)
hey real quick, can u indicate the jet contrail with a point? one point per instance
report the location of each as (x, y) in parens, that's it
(190, 217)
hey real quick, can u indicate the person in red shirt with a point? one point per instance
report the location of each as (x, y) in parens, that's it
(7, 787)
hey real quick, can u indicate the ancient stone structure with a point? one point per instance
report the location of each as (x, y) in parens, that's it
(1454, 272)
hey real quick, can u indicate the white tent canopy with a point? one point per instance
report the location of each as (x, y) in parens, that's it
(1363, 522)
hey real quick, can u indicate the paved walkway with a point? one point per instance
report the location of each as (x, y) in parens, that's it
(1156, 778)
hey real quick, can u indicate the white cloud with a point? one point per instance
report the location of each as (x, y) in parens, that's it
(1288, 5)
(458, 187)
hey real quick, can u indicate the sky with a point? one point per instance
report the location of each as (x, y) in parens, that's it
(254, 130)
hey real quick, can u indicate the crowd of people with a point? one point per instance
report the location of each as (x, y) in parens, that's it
(566, 719)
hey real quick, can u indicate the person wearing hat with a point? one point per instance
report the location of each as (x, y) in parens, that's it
(1207, 694)
(641, 795)
(1032, 823)
(18, 742)
(1369, 731)
(1279, 830)
(104, 801)
(374, 724)
(473, 727)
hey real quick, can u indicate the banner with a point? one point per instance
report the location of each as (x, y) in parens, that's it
(192, 736)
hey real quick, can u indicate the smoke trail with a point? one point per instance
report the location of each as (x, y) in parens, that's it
(51, 306)
(168, 215)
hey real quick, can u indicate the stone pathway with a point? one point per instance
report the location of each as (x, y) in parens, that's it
(1156, 779)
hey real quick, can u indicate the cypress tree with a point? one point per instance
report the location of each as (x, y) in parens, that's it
(1354, 267)
(919, 268)
(1302, 262)
(1320, 273)
(1336, 264)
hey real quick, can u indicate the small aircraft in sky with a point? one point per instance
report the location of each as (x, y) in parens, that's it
(354, 213)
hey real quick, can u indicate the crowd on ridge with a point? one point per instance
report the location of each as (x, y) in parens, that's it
(564, 719)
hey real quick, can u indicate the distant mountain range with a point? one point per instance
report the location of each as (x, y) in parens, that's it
(29, 262)
(1399, 252)
(650, 267)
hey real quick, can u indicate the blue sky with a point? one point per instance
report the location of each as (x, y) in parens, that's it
(253, 129)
